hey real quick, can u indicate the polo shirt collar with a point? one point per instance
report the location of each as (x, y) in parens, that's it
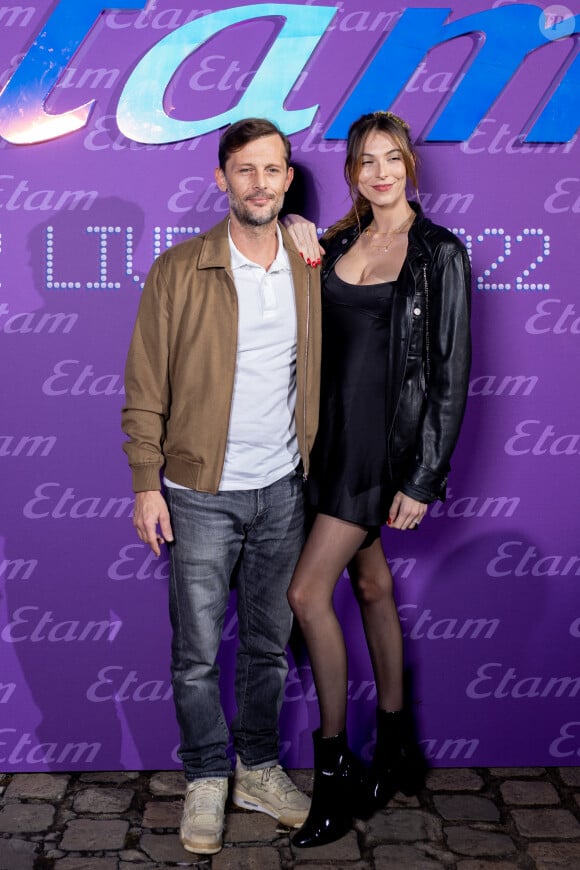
(281, 261)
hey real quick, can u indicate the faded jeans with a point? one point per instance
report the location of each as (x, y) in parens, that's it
(258, 534)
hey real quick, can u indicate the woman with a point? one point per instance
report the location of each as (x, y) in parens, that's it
(396, 357)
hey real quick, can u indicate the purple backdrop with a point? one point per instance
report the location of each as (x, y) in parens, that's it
(488, 591)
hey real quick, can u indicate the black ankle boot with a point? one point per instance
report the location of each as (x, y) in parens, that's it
(337, 778)
(398, 763)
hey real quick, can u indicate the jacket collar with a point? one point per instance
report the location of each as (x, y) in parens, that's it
(215, 250)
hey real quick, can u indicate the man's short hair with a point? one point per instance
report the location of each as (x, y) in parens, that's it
(239, 134)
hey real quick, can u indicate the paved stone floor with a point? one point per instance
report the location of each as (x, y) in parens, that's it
(465, 819)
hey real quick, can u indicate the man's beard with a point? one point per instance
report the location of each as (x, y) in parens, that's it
(254, 219)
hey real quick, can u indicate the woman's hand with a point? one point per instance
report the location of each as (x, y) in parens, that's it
(303, 234)
(406, 512)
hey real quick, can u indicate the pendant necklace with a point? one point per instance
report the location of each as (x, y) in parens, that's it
(402, 228)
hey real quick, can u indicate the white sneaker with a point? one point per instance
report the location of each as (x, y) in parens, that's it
(202, 823)
(270, 790)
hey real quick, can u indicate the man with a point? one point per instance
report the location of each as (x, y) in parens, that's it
(222, 393)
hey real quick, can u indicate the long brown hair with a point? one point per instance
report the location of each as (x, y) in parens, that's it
(381, 122)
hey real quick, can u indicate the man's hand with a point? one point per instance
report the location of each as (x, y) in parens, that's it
(150, 510)
(405, 512)
(303, 234)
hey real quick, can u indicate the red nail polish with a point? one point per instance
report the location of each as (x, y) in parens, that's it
(389, 521)
(301, 254)
(309, 261)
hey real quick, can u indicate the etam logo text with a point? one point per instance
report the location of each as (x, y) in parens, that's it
(493, 680)
(520, 559)
(28, 623)
(506, 34)
(423, 624)
(51, 501)
(441, 749)
(540, 439)
(18, 749)
(567, 744)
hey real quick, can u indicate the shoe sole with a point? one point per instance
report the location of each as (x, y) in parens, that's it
(248, 803)
(207, 847)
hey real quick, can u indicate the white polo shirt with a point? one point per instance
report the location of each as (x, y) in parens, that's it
(262, 445)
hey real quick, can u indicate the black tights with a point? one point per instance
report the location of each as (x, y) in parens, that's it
(333, 545)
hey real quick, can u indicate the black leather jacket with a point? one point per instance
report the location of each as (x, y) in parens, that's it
(429, 355)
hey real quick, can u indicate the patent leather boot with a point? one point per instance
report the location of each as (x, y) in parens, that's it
(398, 763)
(337, 780)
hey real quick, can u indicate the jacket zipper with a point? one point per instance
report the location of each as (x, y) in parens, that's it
(427, 339)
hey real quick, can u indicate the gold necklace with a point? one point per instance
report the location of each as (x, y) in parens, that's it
(402, 228)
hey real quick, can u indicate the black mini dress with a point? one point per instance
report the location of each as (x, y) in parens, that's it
(349, 476)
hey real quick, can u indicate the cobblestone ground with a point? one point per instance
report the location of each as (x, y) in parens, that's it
(465, 819)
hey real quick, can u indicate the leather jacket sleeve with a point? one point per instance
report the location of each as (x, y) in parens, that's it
(448, 355)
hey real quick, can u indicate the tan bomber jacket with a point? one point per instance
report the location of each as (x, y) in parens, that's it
(180, 368)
